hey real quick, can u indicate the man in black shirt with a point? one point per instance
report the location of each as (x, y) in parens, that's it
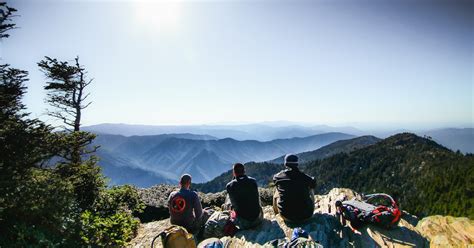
(293, 197)
(244, 199)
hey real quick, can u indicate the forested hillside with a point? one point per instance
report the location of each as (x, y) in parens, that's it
(263, 172)
(346, 146)
(424, 176)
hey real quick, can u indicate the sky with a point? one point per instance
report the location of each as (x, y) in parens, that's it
(362, 63)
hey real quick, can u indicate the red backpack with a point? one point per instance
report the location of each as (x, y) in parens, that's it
(379, 209)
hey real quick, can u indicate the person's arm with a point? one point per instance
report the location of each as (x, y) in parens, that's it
(197, 207)
(169, 202)
(311, 182)
(258, 193)
(228, 202)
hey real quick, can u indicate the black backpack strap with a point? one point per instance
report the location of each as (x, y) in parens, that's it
(163, 237)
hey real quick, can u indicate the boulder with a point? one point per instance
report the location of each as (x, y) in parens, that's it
(447, 231)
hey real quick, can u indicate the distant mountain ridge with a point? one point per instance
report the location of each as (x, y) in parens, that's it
(453, 138)
(168, 156)
(266, 131)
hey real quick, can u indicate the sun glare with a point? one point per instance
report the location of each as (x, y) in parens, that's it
(159, 15)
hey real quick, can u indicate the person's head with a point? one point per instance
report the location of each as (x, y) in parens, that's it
(291, 161)
(238, 170)
(185, 181)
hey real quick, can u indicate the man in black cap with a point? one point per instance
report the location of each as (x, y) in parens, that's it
(293, 197)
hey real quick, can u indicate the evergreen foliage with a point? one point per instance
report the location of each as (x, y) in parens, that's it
(109, 223)
(59, 205)
(425, 177)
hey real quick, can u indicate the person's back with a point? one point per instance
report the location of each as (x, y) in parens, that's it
(185, 207)
(244, 197)
(294, 201)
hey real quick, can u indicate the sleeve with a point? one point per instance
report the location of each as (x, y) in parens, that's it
(258, 194)
(197, 206)
(169, 201)
(311, 182)
(228, 188)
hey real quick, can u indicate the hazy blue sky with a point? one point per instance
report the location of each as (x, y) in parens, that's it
(406, 63)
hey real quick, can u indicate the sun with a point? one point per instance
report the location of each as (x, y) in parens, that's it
(159, 15)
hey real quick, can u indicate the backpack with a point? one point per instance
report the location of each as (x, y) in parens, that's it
(219, 224)
(379, 209)
(176, 237)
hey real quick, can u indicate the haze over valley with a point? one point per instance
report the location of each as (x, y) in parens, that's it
(148, 155)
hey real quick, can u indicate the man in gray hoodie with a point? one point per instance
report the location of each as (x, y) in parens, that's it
(185, 207)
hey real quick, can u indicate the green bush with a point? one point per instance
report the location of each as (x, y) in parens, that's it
(41, 212)
(108, 231)
(112, 222)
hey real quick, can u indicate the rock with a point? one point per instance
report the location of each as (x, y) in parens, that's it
(323, 227)
(447, 231)
(147, 232)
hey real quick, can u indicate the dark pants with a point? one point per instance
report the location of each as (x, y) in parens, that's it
(198, 224)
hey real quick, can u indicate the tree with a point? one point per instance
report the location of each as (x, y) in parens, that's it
(66, 90)
(34, 202)
(67, 95)
(6, 14)
(66, 205)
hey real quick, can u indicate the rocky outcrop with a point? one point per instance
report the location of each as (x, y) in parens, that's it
(324, 227)
(156, 205)
(447, 231)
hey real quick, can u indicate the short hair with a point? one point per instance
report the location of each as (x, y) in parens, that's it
(239, 169)
(185, 178)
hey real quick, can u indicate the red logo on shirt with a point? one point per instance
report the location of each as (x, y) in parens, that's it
(178, 204)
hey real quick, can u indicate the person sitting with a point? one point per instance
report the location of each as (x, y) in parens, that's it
(294, 196)
(243, 199)
(185, 207)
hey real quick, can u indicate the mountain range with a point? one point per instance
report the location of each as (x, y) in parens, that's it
(263, 172)
(163, 158)
(461, 139)
(265, 131)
